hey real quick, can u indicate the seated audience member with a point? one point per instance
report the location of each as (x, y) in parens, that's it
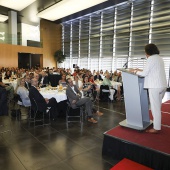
(27, 82)
(42, 102)
(43, 80)
(31, 75)
(37, 76)
(63, 80)
(89, 91)
(87, 88)
(3, 102)
(23, 93)
(80, 76)
(18, 74)
(95, 88)
(74, 96)
(114, 76)
(106, 81)
(117, 95)
(94, 72)
(98, 76)
(7, 75)
(75, 73)
(119, 79)
(9, 89)
(78, 83)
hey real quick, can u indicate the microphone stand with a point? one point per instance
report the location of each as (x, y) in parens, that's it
(126, 64)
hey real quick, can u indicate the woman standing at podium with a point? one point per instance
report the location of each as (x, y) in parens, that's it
(155, 82)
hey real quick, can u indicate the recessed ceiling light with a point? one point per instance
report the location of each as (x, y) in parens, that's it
(16, 4)
(3, 18)
(67, 7)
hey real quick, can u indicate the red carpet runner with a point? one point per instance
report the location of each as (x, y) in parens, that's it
(127, 164)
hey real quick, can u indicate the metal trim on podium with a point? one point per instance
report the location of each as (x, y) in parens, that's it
(136, 101)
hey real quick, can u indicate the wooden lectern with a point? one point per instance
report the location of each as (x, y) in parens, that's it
(136, 102)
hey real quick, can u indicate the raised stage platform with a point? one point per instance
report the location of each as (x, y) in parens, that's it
(152, 150)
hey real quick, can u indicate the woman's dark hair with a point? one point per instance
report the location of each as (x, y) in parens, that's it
(151, 49)
(84, 78)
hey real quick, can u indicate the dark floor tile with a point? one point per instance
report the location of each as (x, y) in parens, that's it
(35, 156)
(84, 138)
(8, 160)
(58, 166)
(40, 130)
(61, 145)
(88, 161)
(2, 141)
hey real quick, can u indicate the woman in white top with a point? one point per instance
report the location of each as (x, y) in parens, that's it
(155, 82)
(23, 93)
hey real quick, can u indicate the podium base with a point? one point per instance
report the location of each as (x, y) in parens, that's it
(145, 125)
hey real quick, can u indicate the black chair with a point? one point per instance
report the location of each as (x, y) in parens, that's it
(38, 116)
(104, 93)
(18, 104)
(74, 114)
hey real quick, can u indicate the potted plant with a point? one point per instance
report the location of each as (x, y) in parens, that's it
(59, 56)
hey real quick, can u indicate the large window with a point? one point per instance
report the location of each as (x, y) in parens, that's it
(108, 38)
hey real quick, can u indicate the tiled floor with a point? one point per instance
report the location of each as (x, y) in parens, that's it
(57, 148)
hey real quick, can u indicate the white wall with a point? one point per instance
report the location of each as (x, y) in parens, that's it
(29, 32)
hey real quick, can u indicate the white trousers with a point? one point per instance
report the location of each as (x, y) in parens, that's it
(155, 97)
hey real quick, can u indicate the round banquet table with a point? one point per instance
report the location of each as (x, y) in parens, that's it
(11, 82)
(59, 96)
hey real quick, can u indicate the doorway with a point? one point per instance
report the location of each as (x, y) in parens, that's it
(28, 60)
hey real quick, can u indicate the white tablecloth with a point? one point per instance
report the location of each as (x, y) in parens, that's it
(59, 96)
(13, 83)
(114, 84)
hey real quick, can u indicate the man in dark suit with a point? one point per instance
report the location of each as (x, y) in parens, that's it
(3, 102)
(43, 80)
(74, 96)
(98, 76)
(42, 102)
(27, 82)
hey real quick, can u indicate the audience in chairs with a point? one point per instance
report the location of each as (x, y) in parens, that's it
(63, 80)
(27, 82)
(42, 102)
(114, 76)
(43, 80)
(87, 89)
(9, 88)
(23, 93)
(76, 100)
(106, 81)
(78, 83)
(98, 76)
(7, 75)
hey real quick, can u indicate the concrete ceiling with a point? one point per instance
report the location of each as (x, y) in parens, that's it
(28, 14)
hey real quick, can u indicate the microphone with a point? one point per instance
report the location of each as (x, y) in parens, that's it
(126, 64)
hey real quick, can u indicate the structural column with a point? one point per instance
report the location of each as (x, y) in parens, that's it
(13, 26)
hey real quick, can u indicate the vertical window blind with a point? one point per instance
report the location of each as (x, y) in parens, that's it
(106, 39)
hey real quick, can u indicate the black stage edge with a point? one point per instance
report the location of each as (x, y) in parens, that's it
(117, 148)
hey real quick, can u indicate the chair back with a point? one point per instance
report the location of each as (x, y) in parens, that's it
(104, 92)
(34, 105)
(104, 87)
